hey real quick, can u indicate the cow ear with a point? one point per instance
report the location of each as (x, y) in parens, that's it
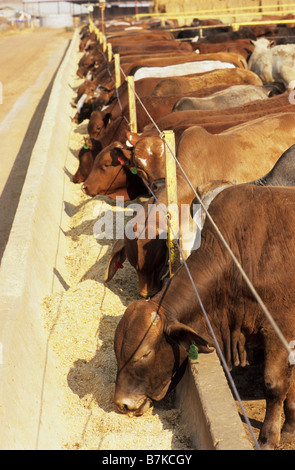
(106, 119)
(185, 336)
(126, 153)
(118, 256)
(121, 155)
(132, 138)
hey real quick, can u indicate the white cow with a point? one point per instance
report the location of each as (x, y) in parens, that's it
(181, 69)
(273, 63)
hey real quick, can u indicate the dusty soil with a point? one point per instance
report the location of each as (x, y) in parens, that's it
(23, 56)
(28, 62)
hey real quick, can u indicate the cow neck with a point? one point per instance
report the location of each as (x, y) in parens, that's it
(186, 308)
(193, 148)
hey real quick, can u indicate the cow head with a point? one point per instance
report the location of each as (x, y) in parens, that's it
(108, 175)
(87, 88)
(86, 158)
(148, 155)
(263, 43)
(97, 124)
(145, 247)
(150, 347)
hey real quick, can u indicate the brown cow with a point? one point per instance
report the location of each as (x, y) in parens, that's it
(154, 170)
(186, 84)
(178, 122)
(180, 57)
(157, 106)
(153, 338)
(86, 159)
(111, 177)
(99, 122)
(147, 49)
(243, 47)
(234, 155)
(102, 81)
(154, 167)
(136, 36)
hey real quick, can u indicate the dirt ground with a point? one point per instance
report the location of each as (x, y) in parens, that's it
(23, 56)
(28, 62)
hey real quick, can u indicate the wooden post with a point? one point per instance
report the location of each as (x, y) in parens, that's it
(132, 104)
(117, 70)
(110, 52)
(172, 201)
(104, 43)
(102, 5)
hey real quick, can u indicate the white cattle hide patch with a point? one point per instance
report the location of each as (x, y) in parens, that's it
(181, 69)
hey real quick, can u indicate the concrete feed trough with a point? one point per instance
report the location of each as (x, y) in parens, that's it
(34, 384)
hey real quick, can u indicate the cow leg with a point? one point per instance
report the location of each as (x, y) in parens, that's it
(238, 348)
(242, 350)
(289, 408)
(276, 384)
(235, 336)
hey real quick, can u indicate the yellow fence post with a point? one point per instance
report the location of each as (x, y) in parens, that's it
(172, 201)
(117, 70)
(110, 52)
(132, 104)
(104, 43)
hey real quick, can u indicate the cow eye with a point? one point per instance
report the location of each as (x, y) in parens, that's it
(141, 359)
(141, 366)
(145, 355)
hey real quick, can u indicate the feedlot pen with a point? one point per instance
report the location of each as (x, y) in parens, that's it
(65, 400)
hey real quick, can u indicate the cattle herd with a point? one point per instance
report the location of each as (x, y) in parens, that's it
(228, 97)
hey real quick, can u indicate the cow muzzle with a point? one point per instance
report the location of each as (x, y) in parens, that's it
(86, 190)
(132, 408)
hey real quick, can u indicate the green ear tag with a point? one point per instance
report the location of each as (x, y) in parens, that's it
(134, 171)
(193, 352)
(85, 146)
